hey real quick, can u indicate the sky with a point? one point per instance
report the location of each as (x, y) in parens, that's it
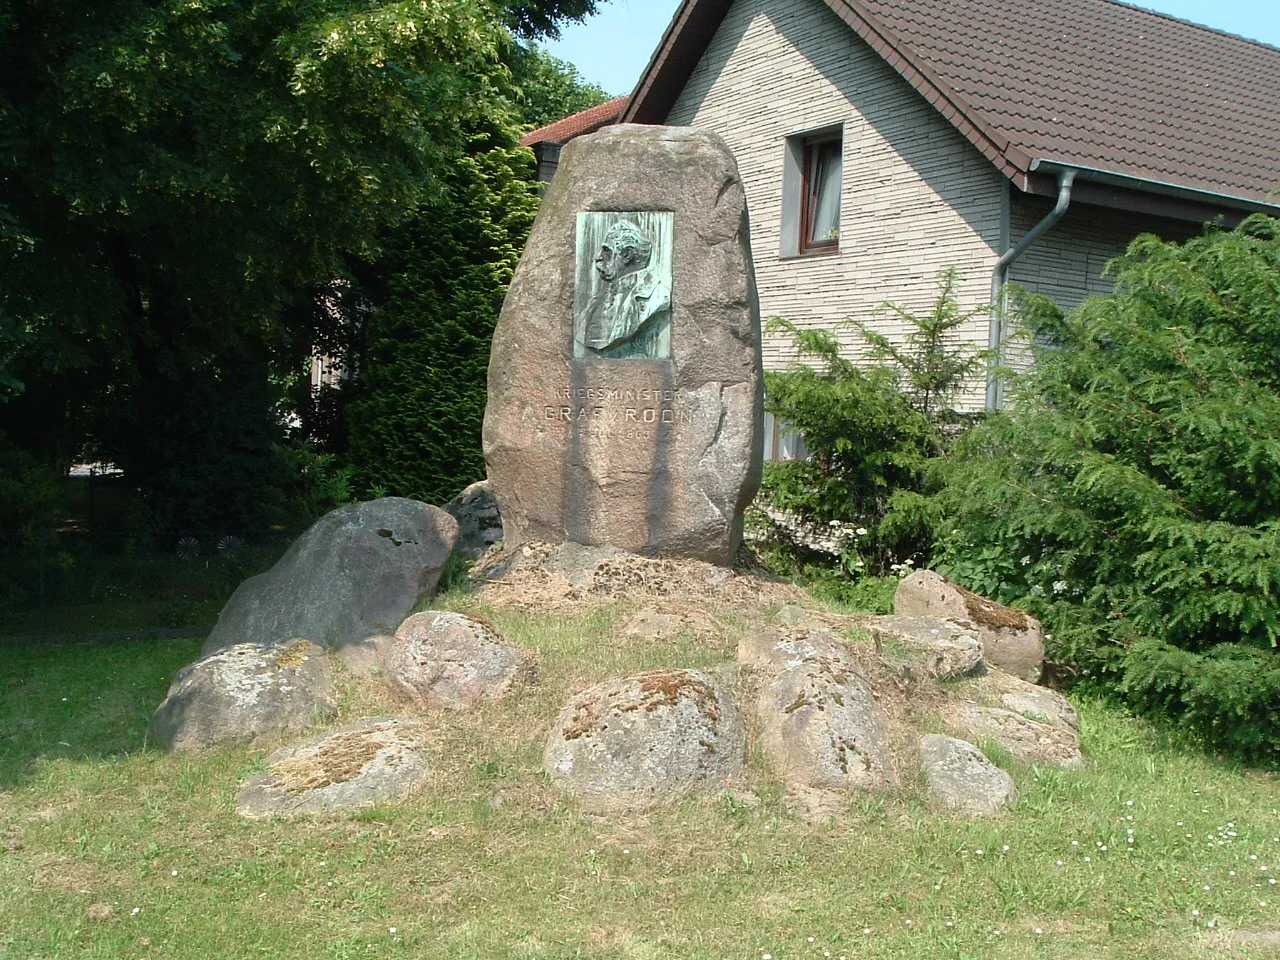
(613, 47)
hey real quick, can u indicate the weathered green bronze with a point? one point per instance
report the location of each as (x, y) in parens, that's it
(622, 297)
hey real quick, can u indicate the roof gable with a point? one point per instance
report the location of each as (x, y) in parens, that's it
(1089, 83)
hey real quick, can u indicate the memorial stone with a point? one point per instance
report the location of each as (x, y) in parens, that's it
(625, 385)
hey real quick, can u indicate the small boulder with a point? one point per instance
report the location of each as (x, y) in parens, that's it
(243, 694)
(449, 660)
(772, 650)
(1044, 705)
(350, 579)
(794, 616)
(659, 625)
(479, 522)
(999, 689)
(960, 777)
(1026, 740)
(943, 648)
(820, 727)
(631, 744)
(1011, 639)
(369, 763)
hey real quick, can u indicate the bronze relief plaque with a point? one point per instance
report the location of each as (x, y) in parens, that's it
(622, 290)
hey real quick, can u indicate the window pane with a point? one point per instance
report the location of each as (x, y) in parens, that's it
(825, 196)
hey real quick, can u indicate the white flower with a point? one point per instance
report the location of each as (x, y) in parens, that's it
(1060, 586)
(861, 531)
(136, 911)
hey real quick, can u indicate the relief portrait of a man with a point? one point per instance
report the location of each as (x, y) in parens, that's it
(628, 313)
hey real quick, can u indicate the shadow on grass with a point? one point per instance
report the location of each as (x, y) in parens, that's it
(81, 701)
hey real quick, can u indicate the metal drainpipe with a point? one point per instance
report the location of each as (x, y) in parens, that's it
(995, 336)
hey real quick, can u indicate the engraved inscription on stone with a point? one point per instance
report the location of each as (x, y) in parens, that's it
(617, 413)
(622, 294)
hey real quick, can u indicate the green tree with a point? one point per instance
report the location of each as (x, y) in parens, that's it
(172, 175)
(871, 431)
(420, 350)
(418, 401)
(550, 88)
(1131, 497)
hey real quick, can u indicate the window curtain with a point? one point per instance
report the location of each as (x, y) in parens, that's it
(825, 183)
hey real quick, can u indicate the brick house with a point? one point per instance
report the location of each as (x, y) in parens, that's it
(882, 141)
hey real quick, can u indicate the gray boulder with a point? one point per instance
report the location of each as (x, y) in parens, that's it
(960, 777)
(661, 625)
(1027, 741)
(943, 648)
(369, 763)
(245, 693)
(450, 660)
(773, 649)
(1044, 705)
(479, 522)
(631, 744)
(820, 727)
(347, 582)
(647, 435)
(1011, 639)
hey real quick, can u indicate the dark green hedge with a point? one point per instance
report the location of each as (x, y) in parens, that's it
(415, 417)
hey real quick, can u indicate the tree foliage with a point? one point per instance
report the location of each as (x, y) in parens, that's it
(1132, 496)
(175, 177)
(550, 88)
(870, 431)
(418, 400)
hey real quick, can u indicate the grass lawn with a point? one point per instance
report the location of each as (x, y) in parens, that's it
(109, 849)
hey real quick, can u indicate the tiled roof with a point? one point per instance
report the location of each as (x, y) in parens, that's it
(1090, 83)
(575, 125)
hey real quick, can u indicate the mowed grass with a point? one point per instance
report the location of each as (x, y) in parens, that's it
(113, 850)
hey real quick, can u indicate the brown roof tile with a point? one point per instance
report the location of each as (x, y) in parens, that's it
(1091, 83)
(575, 125)
(1102, 84)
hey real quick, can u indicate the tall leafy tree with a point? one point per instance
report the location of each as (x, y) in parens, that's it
(421, 356)
(171, 175)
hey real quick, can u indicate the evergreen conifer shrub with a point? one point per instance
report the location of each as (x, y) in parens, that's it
(1131, 496)
(414, 420)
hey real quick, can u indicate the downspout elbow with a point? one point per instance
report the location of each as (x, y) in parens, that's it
(999, 276)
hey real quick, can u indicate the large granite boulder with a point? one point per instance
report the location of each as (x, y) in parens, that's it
(820, 727)
(243, 694)
(625, 385)
(1011, 639)
(369, 763)
(450, 660)
(479, 522)
(961, 778)
(631, 744)
(347, 582)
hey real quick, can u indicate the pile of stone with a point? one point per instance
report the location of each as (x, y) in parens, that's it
(623, 443)
(830, 717)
